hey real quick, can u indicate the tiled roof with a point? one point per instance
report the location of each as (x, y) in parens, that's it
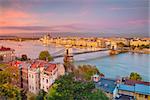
(126, 87)
(133, 82)
(50, 67)
(138, 88)
(5, 49)
(38, 63)
(107, 85)
(142, 89)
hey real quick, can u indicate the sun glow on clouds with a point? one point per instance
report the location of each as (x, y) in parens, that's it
(86, 16)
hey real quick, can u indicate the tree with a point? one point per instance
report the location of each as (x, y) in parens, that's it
(85, 72)
(24, 57)
(135, 76)
(69, 67)
(8, 91)
(98, 95)
(44, 55)
(7, 81)
(41, 95)
(5, 77)
(67, 88)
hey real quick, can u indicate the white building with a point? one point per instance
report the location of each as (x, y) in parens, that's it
(42, 75)
(48, 76)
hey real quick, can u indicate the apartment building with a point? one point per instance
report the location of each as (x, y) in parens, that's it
(6, 54)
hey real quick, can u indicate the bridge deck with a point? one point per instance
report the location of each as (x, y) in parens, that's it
(84, 52)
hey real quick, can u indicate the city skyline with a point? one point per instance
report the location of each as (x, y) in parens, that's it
(115, 16)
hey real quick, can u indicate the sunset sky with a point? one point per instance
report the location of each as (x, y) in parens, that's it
(110, 16)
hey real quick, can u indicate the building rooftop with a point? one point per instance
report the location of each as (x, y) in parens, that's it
(138, 88)
(142, 89)
(126, 87)
(133, 82)
(107, 85)
(38, 63)
(5, 49)
(50, 67)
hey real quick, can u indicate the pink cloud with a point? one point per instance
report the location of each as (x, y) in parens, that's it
(14, 14)
(138, 22)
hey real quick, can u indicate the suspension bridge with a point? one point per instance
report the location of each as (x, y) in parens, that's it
(62, 52)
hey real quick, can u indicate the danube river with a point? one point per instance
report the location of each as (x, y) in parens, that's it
(111, 66)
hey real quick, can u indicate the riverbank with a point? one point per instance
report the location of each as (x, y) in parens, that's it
(144, 51)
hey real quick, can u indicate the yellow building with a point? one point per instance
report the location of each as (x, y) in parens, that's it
(139, 42)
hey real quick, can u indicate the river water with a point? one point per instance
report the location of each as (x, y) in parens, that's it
(111, 66)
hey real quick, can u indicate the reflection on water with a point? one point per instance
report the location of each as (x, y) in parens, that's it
(122, 65)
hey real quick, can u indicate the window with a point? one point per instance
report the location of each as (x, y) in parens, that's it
(140, 95)
(29, 75)
(146, 96)
(46, 80)
(32, 88)
(32, 76)
(43, 79)
(43, 87)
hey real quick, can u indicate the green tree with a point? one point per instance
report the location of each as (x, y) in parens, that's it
(24, 57)
(5, 77)
(68, 88)
(135, 76)
(7, 81)
(44, 55)
(97, 95)
(41, 95)
(8, 91)
(85, 72)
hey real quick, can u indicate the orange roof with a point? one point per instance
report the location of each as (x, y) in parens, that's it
(50, 67)
(37, 64)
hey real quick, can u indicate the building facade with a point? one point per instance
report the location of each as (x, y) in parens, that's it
(7, 54)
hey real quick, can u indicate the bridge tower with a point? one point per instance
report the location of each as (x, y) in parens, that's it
(68, 57)
(113, 46)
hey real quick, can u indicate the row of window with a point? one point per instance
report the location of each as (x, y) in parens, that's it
(46, 80)
(30, 76)
(31, 87)
(45, 87)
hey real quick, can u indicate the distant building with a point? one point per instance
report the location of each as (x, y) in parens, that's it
(139, 42)
(6, 54)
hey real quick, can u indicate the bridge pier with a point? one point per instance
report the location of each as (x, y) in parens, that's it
(68, 57)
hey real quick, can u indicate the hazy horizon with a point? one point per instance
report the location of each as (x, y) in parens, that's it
(66, 34)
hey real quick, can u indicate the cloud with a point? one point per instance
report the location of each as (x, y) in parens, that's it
(126, 8)
(138, 22)
(14, 14)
